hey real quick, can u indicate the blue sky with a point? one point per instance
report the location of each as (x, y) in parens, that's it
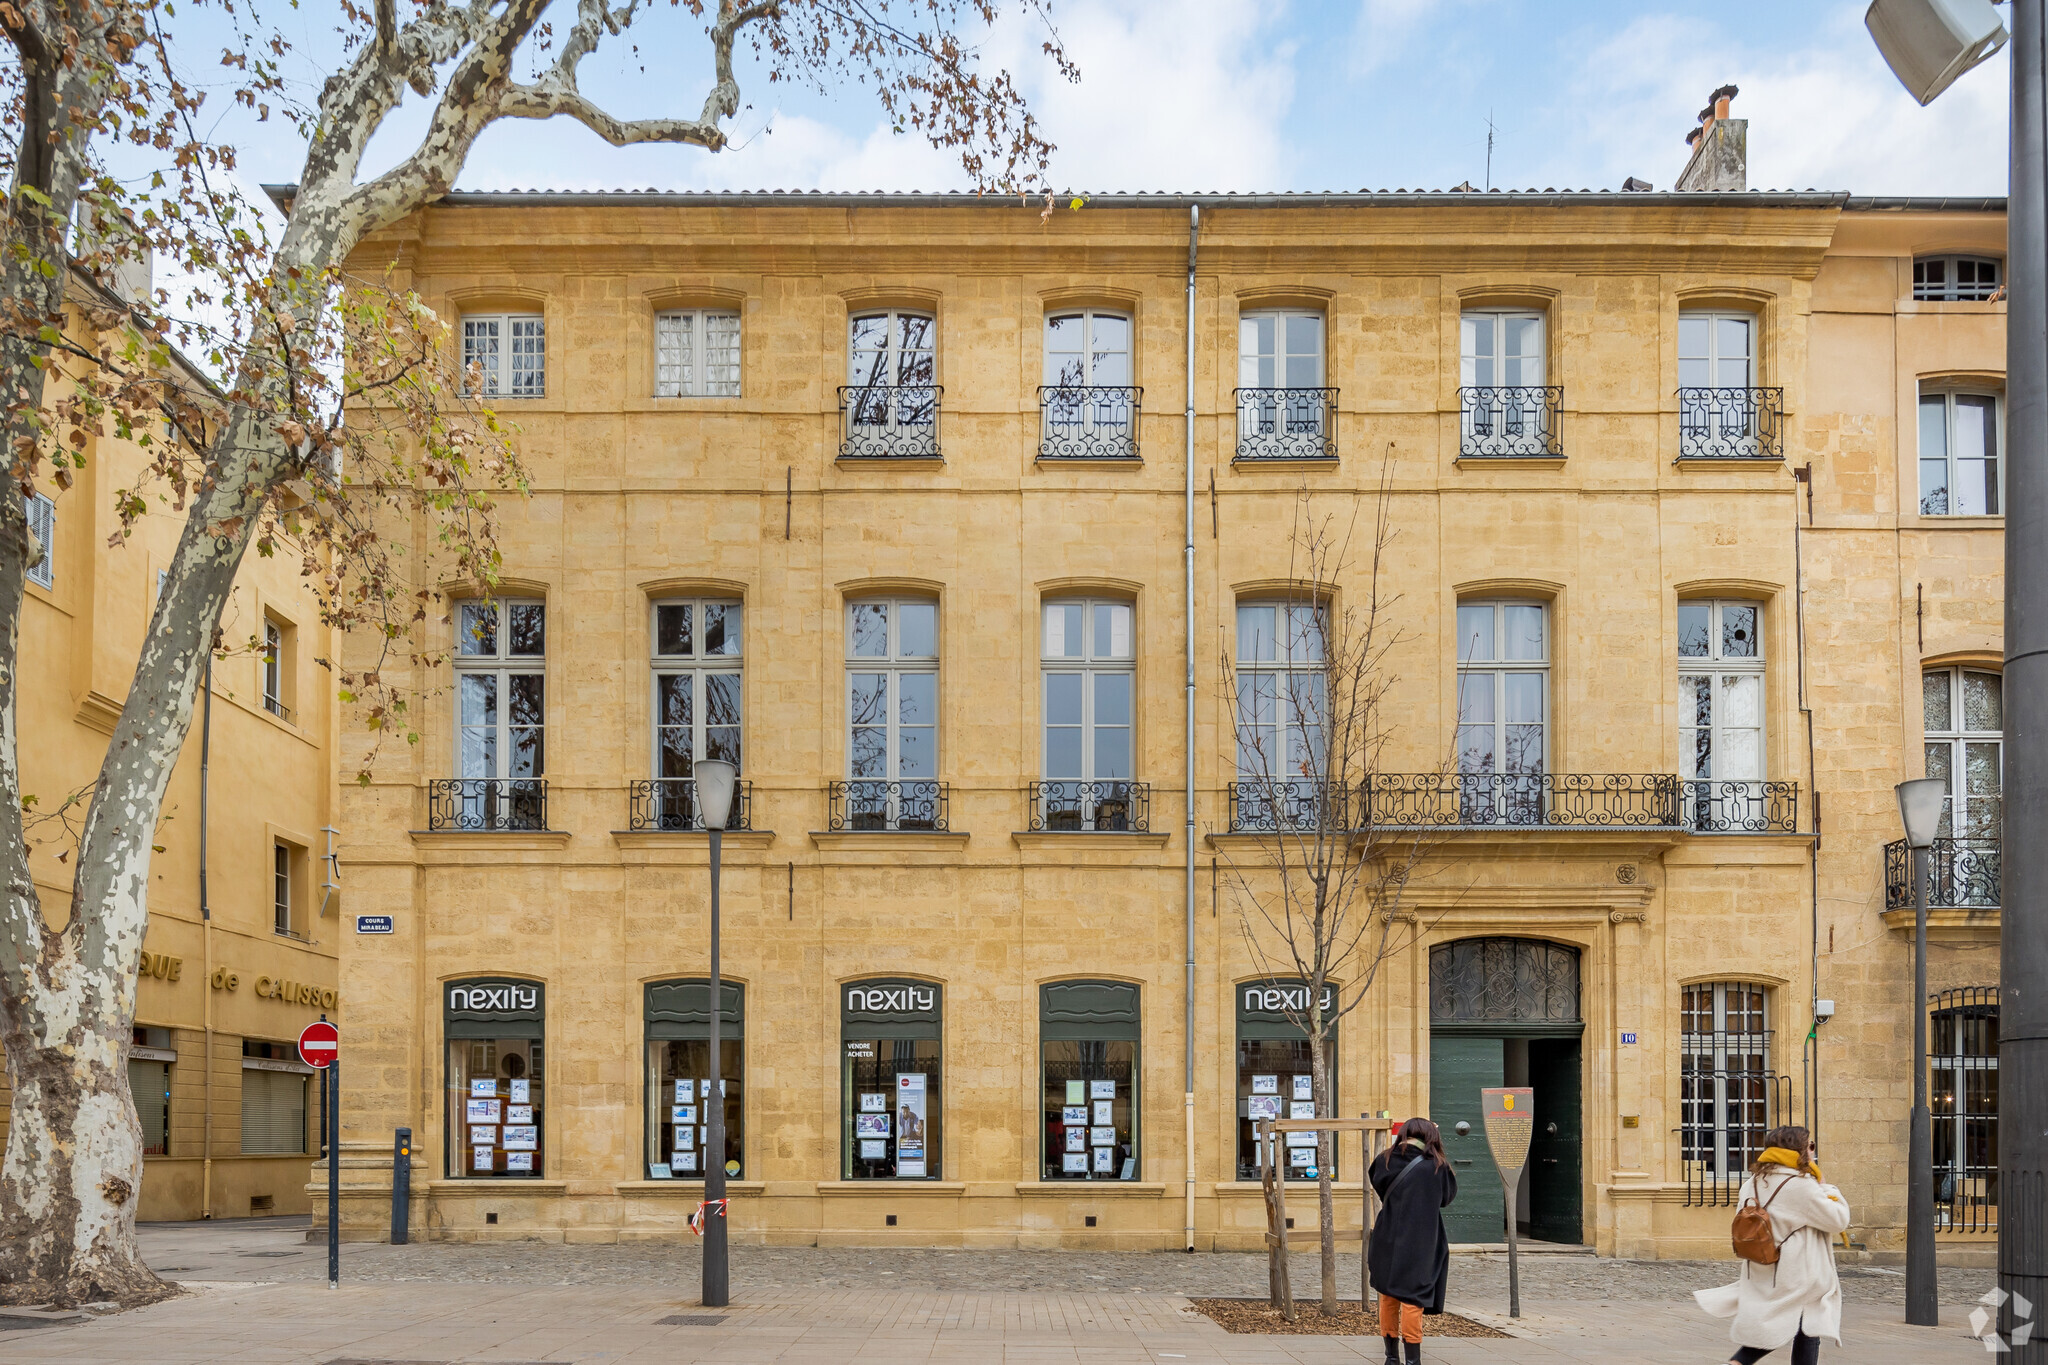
(1308, 95)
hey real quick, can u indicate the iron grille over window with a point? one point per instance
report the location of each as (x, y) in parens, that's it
(671, 803)
(1287, 424)
(891, 806)
(1503, 979)
(1963, 1095)
(1088, 422)
(1731, 424)
(1962, 874)
(1511, 421)
(1102, 807)
(487, 803)
(1728, 1095)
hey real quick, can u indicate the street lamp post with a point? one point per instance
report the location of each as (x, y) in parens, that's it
(1920, 801)
(1929, 43)
(715, 782)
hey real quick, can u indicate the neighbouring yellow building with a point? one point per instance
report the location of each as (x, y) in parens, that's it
(938, 515)
(241, 948)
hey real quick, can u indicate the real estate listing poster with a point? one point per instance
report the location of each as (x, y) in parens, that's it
(910, 1123)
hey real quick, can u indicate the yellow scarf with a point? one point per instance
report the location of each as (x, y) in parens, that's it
(1785, 1156)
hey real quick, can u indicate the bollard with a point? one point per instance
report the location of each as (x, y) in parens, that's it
(401, 1186)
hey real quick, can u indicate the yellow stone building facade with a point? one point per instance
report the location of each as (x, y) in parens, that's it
(887, 497)
(241, 949)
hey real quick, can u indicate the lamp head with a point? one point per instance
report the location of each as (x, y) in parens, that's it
(1929, 43)
(716, 780)
(1920, 802)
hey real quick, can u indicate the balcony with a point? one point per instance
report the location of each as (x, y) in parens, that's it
(1088, 421)
(889, 422)
(1731, 424)
(1963, 875)
(1091, 807)
(1523, 800)
(487, 803)
(888, 807)
(1741, 807)
(1258, 806)
(670, 803)
(1286, 424)
(1510, 422)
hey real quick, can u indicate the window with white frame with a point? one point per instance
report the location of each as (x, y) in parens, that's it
(698, 701)
(1721, 412)
(1503, 711)
(1954, 278)
(1503, 380)
(1960, 468)
(277, 664)
(1725, 1080)
(281, 889)
(42, 526)
(510, 349)
(1086, 664)
(1087, 348)
(1283, 409)
(1721, 713)
(1088, 405)
(697, 354)
(1282, 706)
(1716, 349)
(1963, 715)
(501, 695)
(892, 713)
(1280, 350)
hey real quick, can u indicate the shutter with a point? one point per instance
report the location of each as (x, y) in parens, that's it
(150, 1083)
(273, 1113)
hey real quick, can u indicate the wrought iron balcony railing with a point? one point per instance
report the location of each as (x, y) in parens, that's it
(1735, 806)
(1286, 424)
(1963, 874)
(1510, 422)
(671, 803)
(1524, 800)
(1731, 424)
(1099, 807)
(487, 803)
(867, 804)
(1259, 806)
(889, 422)
(1088, 421)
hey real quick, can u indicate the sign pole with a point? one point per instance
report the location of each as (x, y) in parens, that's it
(1510, 1113)
(334, 1173)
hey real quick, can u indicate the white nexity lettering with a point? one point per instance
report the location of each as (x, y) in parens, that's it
(501, 998)
(1278, 999)
(889, 999)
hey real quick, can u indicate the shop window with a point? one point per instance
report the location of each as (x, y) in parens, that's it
(891, 1107)
(697, 354)
(1274, 1077)
(1088, 1047)
(510, 353)
(1960, 468)
(42, 524)
(679, 1080)
(150, 1059)
(273, 1108)
(496, 1077)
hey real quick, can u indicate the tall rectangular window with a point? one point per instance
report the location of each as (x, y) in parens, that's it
(281, 888)
(501, 712)
(1088, 1045)
(150, 1060)
(1503, 711)
(1281, 715)
(1726, 1097)
(890, 1095)
(510, 352)
(1963, 1094)
(279, 666)
(1721, 713)
(42, 525)
(496, 1078)
(892, 370)
(892, 713)
(1086, 668)
(698, 699)
(1963, 714)
(1960, 438)
(273, 1108)
(1503, 379)
(697, 354)
(680, 1086)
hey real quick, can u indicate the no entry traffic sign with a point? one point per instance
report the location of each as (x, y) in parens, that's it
(319, 1043)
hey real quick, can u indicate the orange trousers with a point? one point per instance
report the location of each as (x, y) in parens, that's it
(1398, 1319)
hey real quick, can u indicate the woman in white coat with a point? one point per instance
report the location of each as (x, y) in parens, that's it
(1799, 1300)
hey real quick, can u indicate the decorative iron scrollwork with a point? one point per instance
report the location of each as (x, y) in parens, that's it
(1963, 873)
(1088, 421)
(671, 803)
(1510, 422)
(1513, 980)
(1286, 424)
(1093, 807)
(1731, 424)
(487, 803)
(1735, 806)
(889, 422)
(867, 804)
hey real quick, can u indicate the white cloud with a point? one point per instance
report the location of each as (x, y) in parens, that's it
(1829, 116)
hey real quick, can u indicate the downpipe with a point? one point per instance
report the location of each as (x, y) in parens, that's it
(1188, 739)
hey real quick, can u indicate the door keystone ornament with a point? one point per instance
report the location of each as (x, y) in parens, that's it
(1984, 1322)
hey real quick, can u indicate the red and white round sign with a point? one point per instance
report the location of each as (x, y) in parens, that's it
(319, 1044)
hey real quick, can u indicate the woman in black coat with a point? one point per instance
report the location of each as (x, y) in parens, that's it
(1410, 1257)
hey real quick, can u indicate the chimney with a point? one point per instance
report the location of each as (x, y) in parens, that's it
(1720, 148)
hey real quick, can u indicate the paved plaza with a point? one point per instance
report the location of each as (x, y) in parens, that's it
(257, 1295)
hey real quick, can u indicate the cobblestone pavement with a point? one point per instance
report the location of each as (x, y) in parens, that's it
(276, 1250)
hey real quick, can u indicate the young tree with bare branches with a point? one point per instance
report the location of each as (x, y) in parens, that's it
(260, 456)
(1320, 894)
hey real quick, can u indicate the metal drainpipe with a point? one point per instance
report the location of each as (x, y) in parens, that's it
(206, 947)
(1188, 740)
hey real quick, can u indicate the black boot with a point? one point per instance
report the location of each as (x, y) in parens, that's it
(1414, 1352)
(1393, 1350)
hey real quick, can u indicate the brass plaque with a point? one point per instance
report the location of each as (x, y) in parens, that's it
(1510, 1113)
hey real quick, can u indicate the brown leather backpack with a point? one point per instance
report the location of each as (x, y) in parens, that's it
(1751, 1232)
